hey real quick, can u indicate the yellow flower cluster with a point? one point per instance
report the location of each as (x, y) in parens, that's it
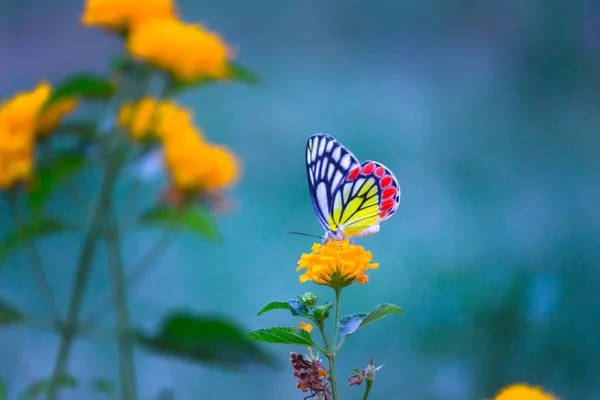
(194, 163)
(22, 121)
(336, 264)
(157, 36)
(120, 15)
(523, 392)
(188, 51)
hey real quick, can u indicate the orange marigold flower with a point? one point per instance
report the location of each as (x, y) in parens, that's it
(523, 391)
(150, 117)
(187, 51)
(306, 326)
(337, 263)
(21, 122)
(119, 15)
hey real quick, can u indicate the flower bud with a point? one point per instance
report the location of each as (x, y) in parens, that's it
(309, 299)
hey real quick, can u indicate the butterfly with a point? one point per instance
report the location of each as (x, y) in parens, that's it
(349, 198)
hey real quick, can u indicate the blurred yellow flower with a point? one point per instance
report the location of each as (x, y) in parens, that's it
(306, 326)
(150, 117)
(336, 264)
(194, 164)
(522, 391)
(197, 166)
(122, 14)
(187, 51)
(21, 122)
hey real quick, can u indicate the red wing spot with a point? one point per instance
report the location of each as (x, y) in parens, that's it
(386, 181)
(353, 174)
(383, 215)
(387, 204)
(368, 169)
(389, 192)
(379, 171)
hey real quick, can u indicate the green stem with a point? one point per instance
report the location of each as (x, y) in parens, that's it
(367, 389)
(334, 389)
(124, 337)
(35, 263)
(84, 267)
(141, 268)
(338, 292)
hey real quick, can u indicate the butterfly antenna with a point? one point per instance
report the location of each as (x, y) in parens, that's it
(304, 234)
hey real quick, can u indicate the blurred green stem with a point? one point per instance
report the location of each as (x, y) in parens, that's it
(84, 266)
(124, 336)
(137, 272)
(35, 263)
(369, 383)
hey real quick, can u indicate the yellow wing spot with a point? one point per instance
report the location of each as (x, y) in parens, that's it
(334, 218)
(366, 187)
(358, 227)
(372, 192)
(350, 209)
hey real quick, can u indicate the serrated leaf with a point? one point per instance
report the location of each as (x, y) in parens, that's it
(274, 305)
(9, 314)
(105, 387)
(298, 308)
(205, 339)
(82, 85)
(242, 74)
(282, 335)
(193, 220)
(35, 390)
(35, 229)
(351, 323)
(49, 176)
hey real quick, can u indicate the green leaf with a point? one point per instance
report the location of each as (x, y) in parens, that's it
(298, 308)
(351, 323)
(82, 85)
(3, 391)
(205, 339)
(38, 388)
(193, 220)
(274, 305)
(49, 176)
(282, 335)
(9, 314)
(242, 74)
(37, 228)
(105, 387)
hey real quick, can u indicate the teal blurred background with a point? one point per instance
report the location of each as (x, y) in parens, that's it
(487, 112)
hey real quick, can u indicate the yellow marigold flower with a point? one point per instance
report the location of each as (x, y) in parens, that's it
(197, 165)
(306, 326)
(152, 117)
(522, 391)
(121, 14)
(336, 264)
(187, 51)
(20, 124)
